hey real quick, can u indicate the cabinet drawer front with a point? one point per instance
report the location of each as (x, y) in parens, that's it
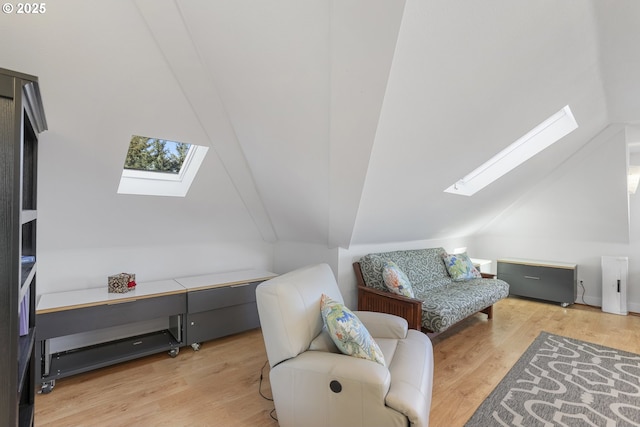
(532, 273)
(210, 299)
(548, 283)
(208, 325)
(73, 321)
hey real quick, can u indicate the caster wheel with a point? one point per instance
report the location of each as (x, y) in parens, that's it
(174, 352)
(195, 346)
(564, 304)
(48, 387)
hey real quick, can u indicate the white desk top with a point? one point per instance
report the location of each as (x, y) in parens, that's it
(554, 264)
(59, 301)
(230, 278)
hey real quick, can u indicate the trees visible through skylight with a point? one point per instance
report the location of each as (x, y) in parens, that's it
(160, 167)
(156, 155)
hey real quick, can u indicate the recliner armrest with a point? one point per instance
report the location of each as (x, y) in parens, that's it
(383, 325)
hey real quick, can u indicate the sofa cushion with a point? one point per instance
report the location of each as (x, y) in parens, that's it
(348, 332)
(417, 264)
(396, 281)
(460, 267)
(448, 305)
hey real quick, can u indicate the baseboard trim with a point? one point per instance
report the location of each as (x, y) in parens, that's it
(630, 313)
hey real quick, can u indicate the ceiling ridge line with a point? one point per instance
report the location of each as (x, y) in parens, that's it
(208, 72)
(248, 193)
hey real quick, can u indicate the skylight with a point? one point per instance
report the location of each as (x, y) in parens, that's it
(159, 167)
(542, 136)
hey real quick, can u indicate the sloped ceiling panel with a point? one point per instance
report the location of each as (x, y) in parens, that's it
(619, 30)
(468, 79)
(303, 84)
(363, 41)
(556, 208)
(104, 79)
(164, 20)
(331, 122)
(270, 63)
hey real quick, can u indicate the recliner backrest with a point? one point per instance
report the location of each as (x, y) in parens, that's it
(289, 310)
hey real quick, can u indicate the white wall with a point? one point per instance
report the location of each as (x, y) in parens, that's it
(586, 254)
(86, 231)
(288, 256)
(577, 215)
(70, 269)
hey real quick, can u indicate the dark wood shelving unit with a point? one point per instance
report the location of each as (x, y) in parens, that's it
(21, 120)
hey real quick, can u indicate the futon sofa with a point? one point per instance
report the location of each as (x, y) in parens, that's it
(439, 302)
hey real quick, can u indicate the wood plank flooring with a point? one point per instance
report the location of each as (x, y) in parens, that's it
(218, 385)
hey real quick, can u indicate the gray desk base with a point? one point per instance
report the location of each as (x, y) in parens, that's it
(73, 321)
(208, 307)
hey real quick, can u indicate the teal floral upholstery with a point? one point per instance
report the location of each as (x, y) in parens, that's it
(396, 281)
(423, 267)
(444, 301)
(450, 304)
(347, 331)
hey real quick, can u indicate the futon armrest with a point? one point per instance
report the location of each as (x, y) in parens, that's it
(488, 275)
(387, 294)
(370, 299)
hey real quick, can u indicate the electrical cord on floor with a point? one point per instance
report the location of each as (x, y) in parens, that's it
(270, 399)
(260, 385)
(273, 411)
(582, 296)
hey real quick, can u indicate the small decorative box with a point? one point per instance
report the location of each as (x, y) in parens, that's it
(122, 283)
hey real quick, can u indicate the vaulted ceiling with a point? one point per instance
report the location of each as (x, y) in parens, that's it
(330, 122)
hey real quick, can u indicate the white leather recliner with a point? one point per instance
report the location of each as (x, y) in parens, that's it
(314, 385)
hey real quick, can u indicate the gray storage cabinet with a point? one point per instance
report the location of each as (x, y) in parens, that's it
(215, 313)
(198, 308)
(544, 280)
(221, 304)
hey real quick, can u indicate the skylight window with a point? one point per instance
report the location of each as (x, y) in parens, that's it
(542, 136)
(159, 167)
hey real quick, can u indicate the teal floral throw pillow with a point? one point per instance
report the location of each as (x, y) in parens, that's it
(460, 267)
(396, 281)
(348, 332)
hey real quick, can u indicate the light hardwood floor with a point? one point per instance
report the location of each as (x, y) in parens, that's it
(218, 385)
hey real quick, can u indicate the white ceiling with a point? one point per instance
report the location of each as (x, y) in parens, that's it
(330, 122)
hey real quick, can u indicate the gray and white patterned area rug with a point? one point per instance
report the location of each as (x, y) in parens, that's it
(561, 381)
